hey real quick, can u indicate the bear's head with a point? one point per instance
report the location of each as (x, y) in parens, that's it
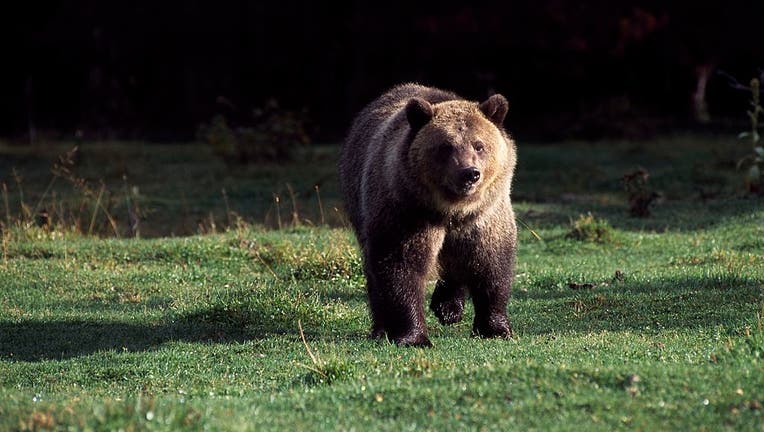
(460, 151)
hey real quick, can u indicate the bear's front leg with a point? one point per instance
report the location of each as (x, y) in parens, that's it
(490, 313)
(396, 309)
(482, 258)
(398, 312)
(490, 288)
(396, 272)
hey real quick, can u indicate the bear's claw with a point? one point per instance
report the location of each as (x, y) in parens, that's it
(449, 311)
(495, 328)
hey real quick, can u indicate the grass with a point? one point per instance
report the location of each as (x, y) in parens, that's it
(659, 327)
(179, 189)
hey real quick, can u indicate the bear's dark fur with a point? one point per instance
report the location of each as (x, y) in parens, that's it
(426, 179)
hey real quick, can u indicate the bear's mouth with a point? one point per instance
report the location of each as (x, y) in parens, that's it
(460, 192)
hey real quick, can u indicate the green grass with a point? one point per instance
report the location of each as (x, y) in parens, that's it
(656, 326)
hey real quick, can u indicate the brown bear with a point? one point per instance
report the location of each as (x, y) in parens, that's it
(426, 179)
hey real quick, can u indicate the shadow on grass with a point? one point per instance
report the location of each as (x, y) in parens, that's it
(673, 303)
(37, 340)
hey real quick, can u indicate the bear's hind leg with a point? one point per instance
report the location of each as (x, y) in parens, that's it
(448, 302)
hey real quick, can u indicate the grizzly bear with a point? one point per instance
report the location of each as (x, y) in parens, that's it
(426, 179)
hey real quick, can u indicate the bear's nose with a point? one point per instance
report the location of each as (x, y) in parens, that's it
(469, 176)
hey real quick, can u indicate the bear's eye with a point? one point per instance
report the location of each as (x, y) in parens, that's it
(478, 146)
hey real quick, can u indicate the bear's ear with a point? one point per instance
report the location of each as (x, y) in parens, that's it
(418, 112)
(495, 108)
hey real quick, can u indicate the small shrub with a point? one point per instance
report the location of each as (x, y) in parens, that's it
(270, 134)
(640, 195)
(754, 162)
(588, 228)
(220, 138)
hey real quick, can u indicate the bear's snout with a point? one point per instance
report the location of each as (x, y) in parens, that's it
(469, 176)
(463, 182)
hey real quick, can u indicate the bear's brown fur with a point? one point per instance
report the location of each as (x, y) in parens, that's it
(426, 179)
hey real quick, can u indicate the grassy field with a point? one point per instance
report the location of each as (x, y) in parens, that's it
(646, 324)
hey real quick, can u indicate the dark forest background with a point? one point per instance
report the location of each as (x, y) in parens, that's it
(583, 69)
